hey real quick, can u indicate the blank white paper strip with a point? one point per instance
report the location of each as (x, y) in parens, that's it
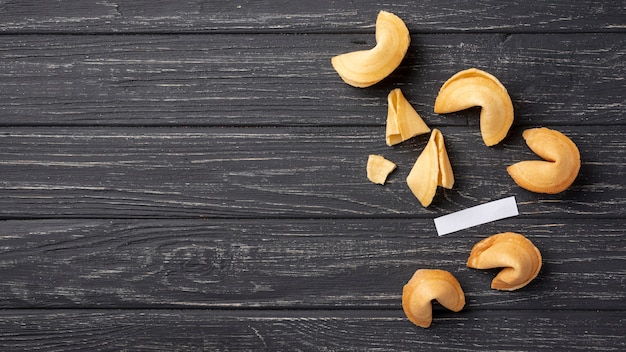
(480, 214)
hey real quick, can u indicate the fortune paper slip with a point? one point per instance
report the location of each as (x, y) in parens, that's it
(480, 214)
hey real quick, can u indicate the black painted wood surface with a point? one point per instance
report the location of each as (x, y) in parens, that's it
(315, 16)
(286, 79)
(183, 176)
(310, 330)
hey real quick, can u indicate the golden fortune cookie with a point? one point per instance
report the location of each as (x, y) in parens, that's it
(554, 174)
(364, 68)
(517, 255)
(474, 87)
(425, 286)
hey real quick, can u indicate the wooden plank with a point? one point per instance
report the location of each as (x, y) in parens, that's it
(194, 330)
(200, 16)
(279, 80)
(294, 263)
(280, 172)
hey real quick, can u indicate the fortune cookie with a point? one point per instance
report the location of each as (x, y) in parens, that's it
(515, 253)
(403, 122)
(474, 87)
(431, 169)
(554, 174)
(427, 285)
(364, 68)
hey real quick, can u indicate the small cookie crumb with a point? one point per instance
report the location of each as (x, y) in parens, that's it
(378, 168)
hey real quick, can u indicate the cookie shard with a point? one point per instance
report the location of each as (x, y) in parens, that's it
(431, 169)
(425, 286)
(445, 178)
(378, 168)
(520, 259)
(403, 122)
(365, 68)
(424, 176)
(474, 87)
(556, 172)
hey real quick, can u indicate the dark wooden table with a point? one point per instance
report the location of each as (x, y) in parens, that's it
(190, 175)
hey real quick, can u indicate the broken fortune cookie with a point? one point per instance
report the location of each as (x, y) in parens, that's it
(378, 168)
(403, 122)
(431, 169)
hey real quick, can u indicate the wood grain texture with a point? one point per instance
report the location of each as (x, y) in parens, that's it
(300, 264)
(195, 330)
(190, 175)
(272, 172)
(286, 80)
(285, 16)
